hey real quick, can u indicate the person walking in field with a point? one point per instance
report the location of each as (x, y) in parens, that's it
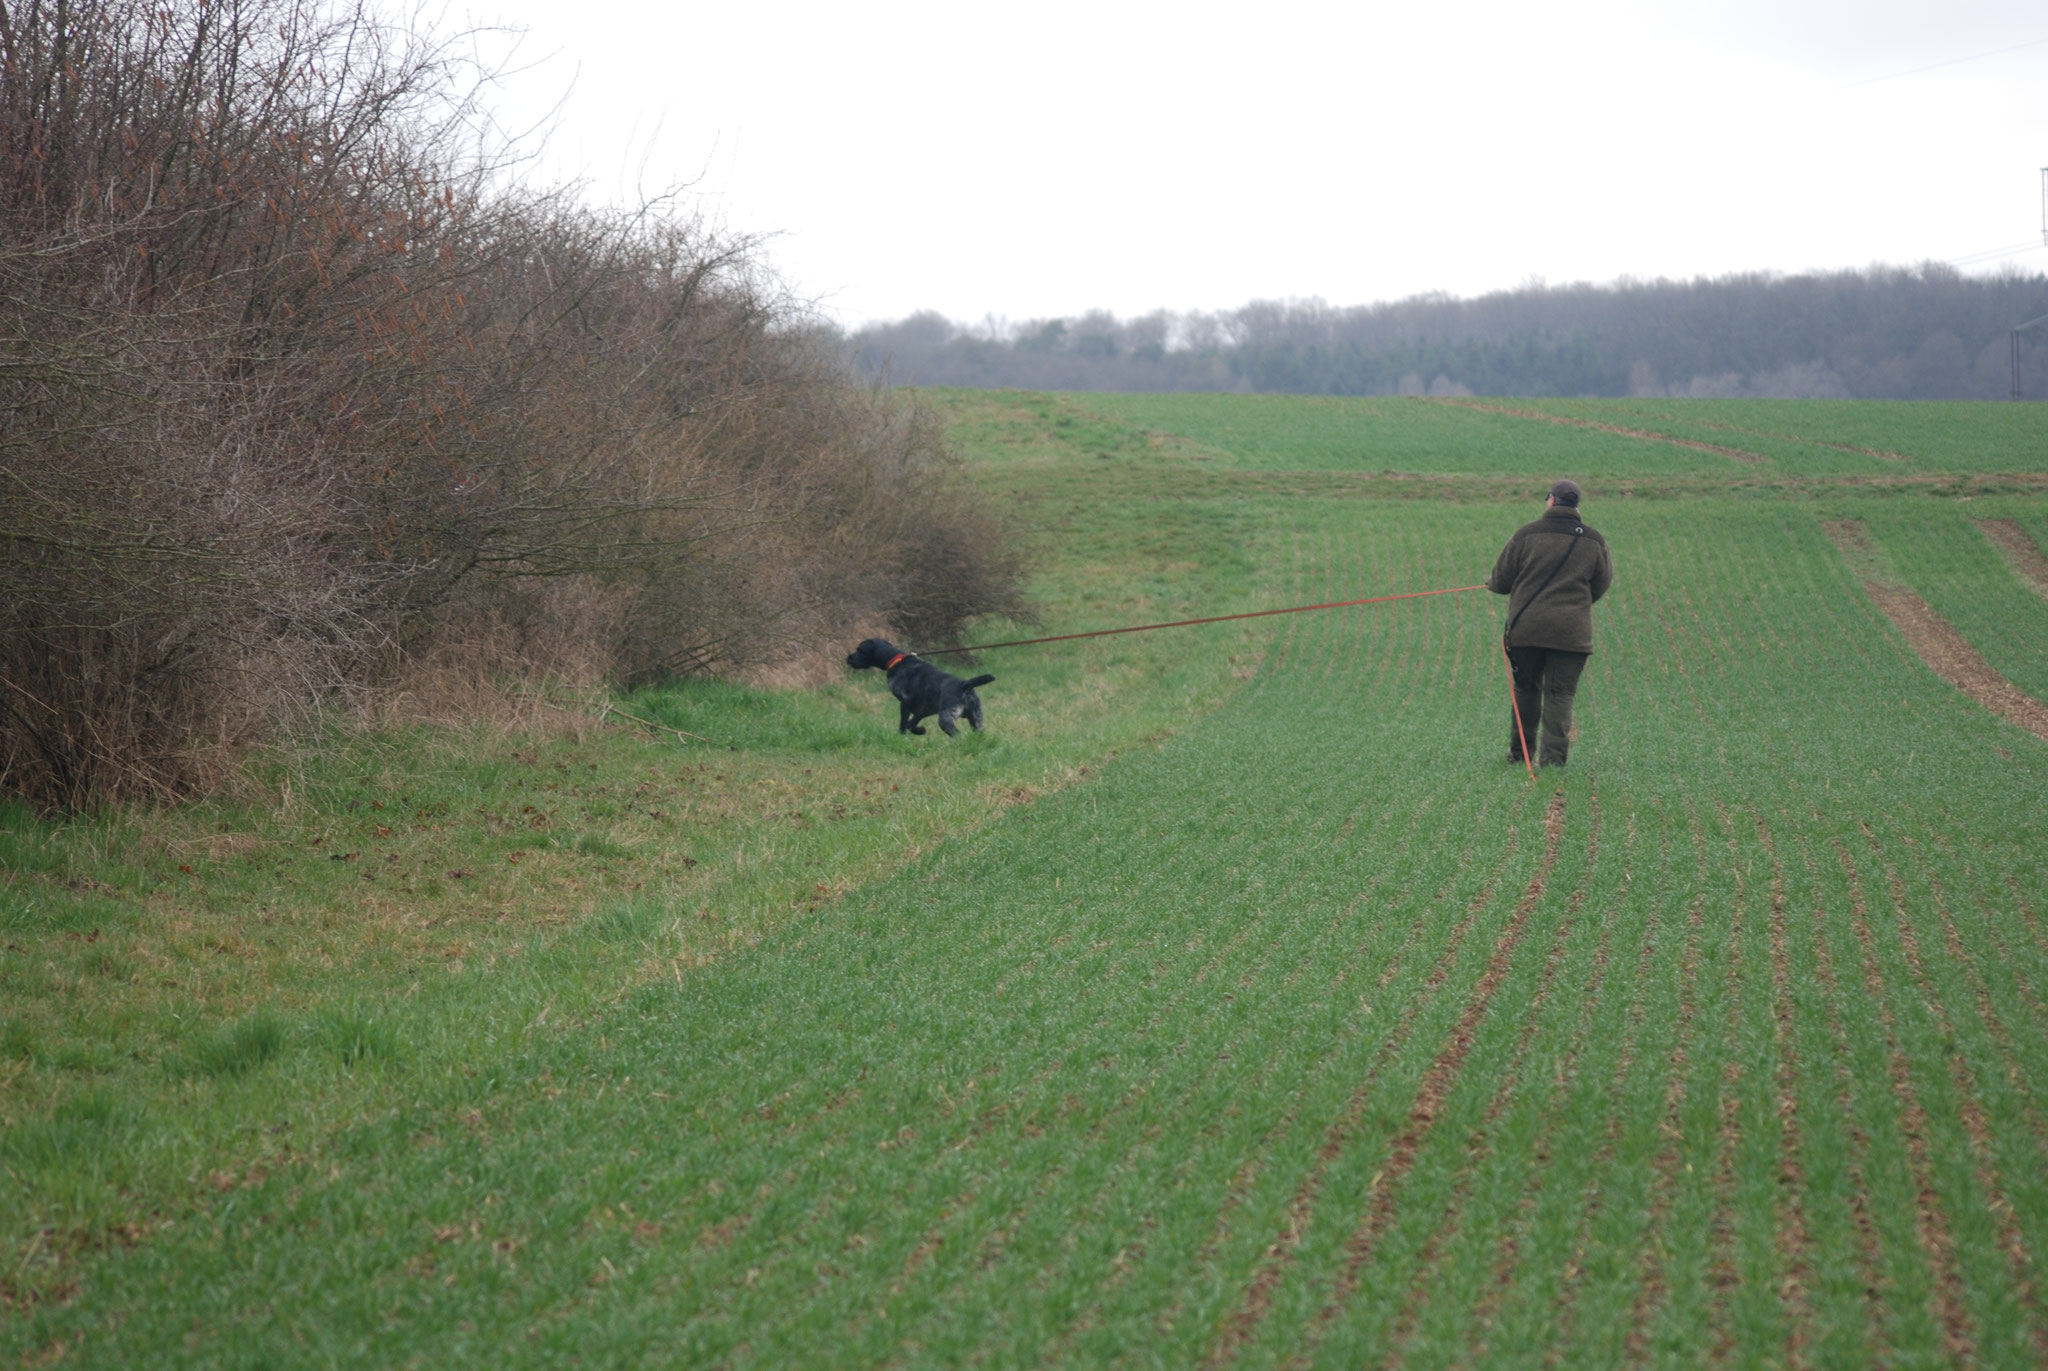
(1552, 572)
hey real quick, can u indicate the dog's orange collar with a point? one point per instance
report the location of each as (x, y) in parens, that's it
(890, 665)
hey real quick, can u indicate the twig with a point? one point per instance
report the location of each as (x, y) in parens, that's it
(608, 709)
(611, 708)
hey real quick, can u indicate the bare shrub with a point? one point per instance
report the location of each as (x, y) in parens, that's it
(863, 519)
(301, 394)
(193, 208)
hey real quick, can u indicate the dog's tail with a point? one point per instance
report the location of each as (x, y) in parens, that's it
(979, 681)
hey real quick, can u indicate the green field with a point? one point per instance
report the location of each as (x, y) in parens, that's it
(1230, 1003)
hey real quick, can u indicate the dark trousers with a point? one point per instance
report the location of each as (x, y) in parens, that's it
(1545, 681)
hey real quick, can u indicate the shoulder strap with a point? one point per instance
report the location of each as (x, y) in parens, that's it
(1570, 548)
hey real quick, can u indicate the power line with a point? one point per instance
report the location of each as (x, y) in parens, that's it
(1951, 62)
(1971, 259)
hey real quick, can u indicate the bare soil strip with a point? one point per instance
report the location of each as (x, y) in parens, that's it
(2020, 550)
(1479, 1144)
(1643, 434)
(1241, 1183)
(1443, 1073)
(1955, 661)
(1880, 453)
(1937, 643)
(1279, 1253)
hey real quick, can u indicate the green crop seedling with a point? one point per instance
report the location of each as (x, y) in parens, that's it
(1230, 1004)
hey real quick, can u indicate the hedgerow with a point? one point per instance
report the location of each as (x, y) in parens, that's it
(304, 389)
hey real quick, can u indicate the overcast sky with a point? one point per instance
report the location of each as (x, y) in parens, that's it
(1043, 159)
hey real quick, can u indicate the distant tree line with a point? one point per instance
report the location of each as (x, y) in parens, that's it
(1923, 333)
(303, 394)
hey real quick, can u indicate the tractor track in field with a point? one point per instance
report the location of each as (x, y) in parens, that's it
(1434, 1092)
(1792, 1234)
(1640, 434)
(1976, 1121)
(1881, 454)
(1278, 1256)
(1247, 1174)
(1479, 1146)
(1311, 654)
(1127, 1263)
(2021, 552)
(1936, 1232)
(1937, 643)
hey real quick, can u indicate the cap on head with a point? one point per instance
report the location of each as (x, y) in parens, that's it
(1565, 493)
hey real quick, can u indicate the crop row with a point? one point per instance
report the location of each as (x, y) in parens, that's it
(1318, 1036)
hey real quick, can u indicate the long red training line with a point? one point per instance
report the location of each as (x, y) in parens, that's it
(1515, 705)
(1184, 623)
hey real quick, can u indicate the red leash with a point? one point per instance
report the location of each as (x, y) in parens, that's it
(1516, 705)
(1185, 623)
(1513, 704)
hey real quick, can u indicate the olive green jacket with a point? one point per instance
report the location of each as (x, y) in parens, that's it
(1560, 617)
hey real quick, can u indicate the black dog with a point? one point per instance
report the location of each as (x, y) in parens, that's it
(921, 688)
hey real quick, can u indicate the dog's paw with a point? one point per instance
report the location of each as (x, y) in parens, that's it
(918, 729)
